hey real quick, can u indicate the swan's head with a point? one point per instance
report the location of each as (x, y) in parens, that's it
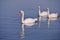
(47, 9)
(21, 12)
(39, 7)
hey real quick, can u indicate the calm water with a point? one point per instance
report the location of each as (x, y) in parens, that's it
(10, 20)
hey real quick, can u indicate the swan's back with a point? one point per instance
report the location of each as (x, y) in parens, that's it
(44, 13)
(52, 15)
(29, 20)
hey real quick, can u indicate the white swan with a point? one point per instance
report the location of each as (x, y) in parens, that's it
(42, 14)
(52, 15)
(28, 21)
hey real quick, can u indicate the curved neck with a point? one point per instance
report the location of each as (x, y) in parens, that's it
(23, 18)
(39, 10)
(48, 11)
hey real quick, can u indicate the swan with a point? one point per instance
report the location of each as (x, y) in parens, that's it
(52, 15)
(42, 14)
(28, 21)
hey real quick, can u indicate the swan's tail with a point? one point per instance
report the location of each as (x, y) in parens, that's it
(35, 19)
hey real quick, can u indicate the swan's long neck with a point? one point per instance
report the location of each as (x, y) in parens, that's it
(23, 18)
(39, 10)
(48, 11)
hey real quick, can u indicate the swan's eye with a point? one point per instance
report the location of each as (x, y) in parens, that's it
(20, 12)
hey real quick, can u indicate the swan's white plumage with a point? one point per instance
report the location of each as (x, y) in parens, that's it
(27, 21)
(30, 20)
(53, 15)
(43, 14)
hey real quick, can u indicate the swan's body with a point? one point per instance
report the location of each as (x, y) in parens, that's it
(43, 14)
(28, 20)
(53, 15)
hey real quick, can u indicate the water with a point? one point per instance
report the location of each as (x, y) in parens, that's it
(10, 20)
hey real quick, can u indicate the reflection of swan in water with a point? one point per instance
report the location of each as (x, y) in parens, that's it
(52, 15)
(48, 23)
(22, 33)
(53, 19)
(28, 21)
